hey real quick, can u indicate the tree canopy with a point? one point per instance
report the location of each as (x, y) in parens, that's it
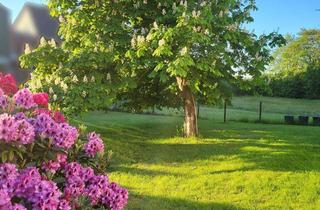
(188, 50)
(295, 71)
(298, 55)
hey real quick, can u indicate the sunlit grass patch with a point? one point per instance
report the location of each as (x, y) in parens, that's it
(232, 165)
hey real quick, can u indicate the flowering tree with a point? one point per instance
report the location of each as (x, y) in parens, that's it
(66, 78)
(193, 48)
(48, 163)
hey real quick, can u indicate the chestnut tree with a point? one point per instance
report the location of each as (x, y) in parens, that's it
(193, 48)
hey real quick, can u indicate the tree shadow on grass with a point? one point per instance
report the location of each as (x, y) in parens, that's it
(270, 153)
(143, 172)
(144, 202)
(270, 147)
(260, 155)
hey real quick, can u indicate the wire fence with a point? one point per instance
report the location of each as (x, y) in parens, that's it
(258, 110)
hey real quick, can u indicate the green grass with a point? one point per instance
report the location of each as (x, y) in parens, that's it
(232, 166)
(246, 109)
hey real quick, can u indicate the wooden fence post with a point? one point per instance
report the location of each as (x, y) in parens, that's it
(260, 112)
(225, 111)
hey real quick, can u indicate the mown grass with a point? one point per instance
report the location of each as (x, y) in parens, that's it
(246, 109)
(232, 166)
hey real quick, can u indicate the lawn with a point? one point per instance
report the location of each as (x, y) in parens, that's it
(232, 166)
(246, 109)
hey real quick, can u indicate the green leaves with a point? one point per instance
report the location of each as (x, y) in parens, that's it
(298, 55)
(12, 153)
(180, 66)
(4, 156)
(135, 47)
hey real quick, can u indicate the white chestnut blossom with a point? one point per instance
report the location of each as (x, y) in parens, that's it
(61, 19)
(109, 77)
(149, 37)
(27, 49)
(57, 81)
(64, 87)
(155, 25)
(84, 93)
(204, 3)
(183, 51)
(133, 41)
(162, 42)
(43, 42)
(140, 39)
(75, 78)
(174, 7)
(85, 79)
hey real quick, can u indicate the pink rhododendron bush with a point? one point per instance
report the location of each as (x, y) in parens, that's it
(47, 163)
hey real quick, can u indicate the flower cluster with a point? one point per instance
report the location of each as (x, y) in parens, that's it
(24, 99)
(41, 99)
(94, 145)
(3, 100)
(55, 115)
(8, 84)
(23, 130)
(13, 130)
(33, 188)
(83, 181)
(33, 135)
(29, 186)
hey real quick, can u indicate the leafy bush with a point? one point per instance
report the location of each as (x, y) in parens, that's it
(258, 86)
(302, 85)
(295, 72)
(72, 89)
(46, 162)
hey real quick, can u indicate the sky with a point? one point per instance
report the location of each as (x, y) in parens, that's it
(283, 16)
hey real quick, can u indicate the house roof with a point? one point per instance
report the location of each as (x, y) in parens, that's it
(2, 7)
(45, 24)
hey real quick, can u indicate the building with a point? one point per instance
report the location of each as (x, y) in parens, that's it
(33, 22)
(5, 38)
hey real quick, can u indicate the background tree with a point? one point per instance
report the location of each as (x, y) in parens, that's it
(300, 53)
(193, 47)
(295, 71)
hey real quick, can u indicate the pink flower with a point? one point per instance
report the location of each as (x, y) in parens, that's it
(5, 200)
(24, 99)
(3, 101)
(18, 207)
(51, 166)
(62, 159)
(25, 132)
(94, 145)
(8, 128)
(64, 205)
(41, 99)
(8, 84)
(58, 117)
(65, 136)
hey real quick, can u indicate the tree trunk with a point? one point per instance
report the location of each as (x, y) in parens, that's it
(190, 113)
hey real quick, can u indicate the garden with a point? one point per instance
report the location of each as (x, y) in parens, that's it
(155, 105)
